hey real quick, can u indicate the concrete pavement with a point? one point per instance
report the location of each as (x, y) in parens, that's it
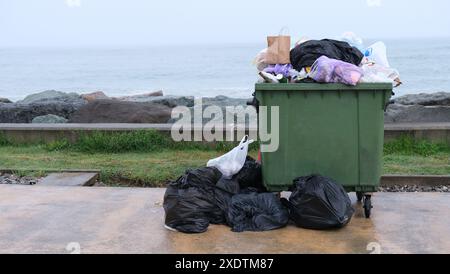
(43, 219)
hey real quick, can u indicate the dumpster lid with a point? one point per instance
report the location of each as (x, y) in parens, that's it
(321, 86)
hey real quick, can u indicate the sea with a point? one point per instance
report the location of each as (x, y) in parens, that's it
(194, 70)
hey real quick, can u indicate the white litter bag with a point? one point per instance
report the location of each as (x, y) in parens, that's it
(376, 53)
(374, 73)
(232, 162)
(260, 60)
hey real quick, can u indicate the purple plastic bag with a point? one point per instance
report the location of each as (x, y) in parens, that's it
(327, 70)
(279, 69)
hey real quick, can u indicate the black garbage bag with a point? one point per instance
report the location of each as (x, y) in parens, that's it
(225, 189)
(305, 54)
(189, 202)
(318, 202)
(257, 212)
(250, 175)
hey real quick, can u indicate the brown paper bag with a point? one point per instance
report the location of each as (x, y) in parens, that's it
(278, 50)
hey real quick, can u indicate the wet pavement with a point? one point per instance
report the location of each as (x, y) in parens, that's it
(43, 219)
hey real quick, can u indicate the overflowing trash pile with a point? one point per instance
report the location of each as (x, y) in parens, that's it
(230, 191)
(345, 61)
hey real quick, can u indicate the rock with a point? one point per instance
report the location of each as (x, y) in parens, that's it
(223, 102)
(41, 104)
(425, 99)
(49, 119)
(24, 113)
(53, 96)
(98, 95)
(174, 101)
(417, 114)
(146, 97)
(169, 100)
(156, 93)
(115, 111)
(5, 100)
(13, 179)
(392, 111)
(414, 188)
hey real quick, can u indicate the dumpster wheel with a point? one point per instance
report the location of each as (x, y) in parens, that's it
(359, 196)
(367, 205)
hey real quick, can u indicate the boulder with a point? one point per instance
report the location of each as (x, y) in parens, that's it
(53, 96)
(417, 114)
(146, 97)
(174, 101)
(187, 101)
(49, 119)
(24, 113)
(242, 110)
(425, 99)
(5, 100)
(224, 101)
(168, 100)
(115, 111)
(98, 95)
(392, 111)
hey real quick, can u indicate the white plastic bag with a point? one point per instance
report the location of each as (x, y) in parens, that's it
(232, 162)
(377, 54)
(353, 40)
(260, 60)
(374, 73)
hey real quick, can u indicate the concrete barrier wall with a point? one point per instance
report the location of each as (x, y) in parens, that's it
(434, 132)
(33, 133)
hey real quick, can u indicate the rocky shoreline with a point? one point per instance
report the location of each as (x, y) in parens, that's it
(154, 107)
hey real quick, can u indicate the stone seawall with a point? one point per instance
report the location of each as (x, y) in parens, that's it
(154, 107)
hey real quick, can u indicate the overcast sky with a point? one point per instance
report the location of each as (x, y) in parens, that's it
(149, 22)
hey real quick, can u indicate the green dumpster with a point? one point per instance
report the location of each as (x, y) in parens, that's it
(328, 129)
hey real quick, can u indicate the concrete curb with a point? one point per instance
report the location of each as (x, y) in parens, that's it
(7, 170)
(386, 180)
(419, 180)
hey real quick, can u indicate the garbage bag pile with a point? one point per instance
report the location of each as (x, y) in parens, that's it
(205, 196)
(344, 60)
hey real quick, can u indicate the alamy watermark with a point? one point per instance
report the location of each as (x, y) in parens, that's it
(73, 248)
(228, 123)
(73, 3)
(374, 248)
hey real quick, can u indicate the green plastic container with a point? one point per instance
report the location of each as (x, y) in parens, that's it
(328, 129)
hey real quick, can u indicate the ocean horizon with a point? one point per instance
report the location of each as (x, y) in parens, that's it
(194, 70)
